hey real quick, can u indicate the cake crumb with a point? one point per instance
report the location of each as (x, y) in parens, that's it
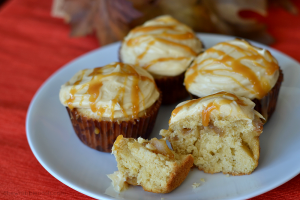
(141, 140)
(195, 185)
(227, 175)
(202, 179)
(150, 146)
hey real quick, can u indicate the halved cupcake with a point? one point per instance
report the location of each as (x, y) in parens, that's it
(237, 67)
(165, 48)
(105, 102)
(221, 131)
(149, 163)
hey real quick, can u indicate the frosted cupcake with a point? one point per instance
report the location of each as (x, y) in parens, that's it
(237, 67)
(165, 48)
(105, 102)
(221, 131)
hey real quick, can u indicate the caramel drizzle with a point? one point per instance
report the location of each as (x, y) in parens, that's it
(144, 53)
(152, 28)
(160, 38)
(211, 105)
(187, 48)
(206, 112)
(96, 83)
(163, 60)
(138, 40)
(259, 87)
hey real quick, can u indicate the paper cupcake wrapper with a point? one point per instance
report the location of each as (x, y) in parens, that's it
(267, 105)
(101, 135)
(172, 88)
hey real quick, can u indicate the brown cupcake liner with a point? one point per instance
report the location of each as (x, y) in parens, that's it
(267, 105)
(172, 88)
(101, 135)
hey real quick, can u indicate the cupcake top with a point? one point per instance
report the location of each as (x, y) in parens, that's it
(163, 46)
(234, 66)
(113, 91)
(222, 104)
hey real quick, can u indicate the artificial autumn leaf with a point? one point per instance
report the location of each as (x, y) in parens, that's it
(112, 19)
(109, 18)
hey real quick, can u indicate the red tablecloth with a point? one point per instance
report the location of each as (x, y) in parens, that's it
(33, 45)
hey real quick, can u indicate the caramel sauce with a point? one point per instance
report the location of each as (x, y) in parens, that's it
(145, 52)
(135, 97)
(118, 140)
(69, 102)
(211, 105)
(185, 47)
(162, 60)
(206, 112)
(95, 84)
(94, 91)
(138, 40)
(183, 36)
(152, 28)
(259, 87)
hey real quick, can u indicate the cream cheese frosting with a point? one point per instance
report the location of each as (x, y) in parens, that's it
(113, 91)
(221, 104)
(163, 46)
(234, 66)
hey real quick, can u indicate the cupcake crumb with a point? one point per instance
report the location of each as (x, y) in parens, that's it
(195, 185)
(150, 146)
(227, 175)
(202, 179)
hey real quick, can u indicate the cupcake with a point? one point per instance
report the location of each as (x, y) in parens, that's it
(150, 164)
(237, 67)
(221, 131)
(105, 102)
(165, 48)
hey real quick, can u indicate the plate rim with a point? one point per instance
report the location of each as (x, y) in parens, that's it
(102, 48)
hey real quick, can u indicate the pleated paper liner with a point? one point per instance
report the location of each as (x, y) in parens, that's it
(101, 135)
(172, 88)
(267, 105)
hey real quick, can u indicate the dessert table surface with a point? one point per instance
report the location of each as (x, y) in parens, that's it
(33, 45)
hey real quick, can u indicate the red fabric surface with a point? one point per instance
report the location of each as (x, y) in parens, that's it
(33, 45)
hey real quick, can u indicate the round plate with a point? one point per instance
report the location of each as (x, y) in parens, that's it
(56, 146)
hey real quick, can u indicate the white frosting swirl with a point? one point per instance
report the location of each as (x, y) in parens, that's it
(221, 104)
(234, 66)
(113, 91)
(162, 45)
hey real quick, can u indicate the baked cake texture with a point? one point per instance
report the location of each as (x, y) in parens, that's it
(221, 131)
(149, 163)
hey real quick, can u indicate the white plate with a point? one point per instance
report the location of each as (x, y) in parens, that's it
(57, 148)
